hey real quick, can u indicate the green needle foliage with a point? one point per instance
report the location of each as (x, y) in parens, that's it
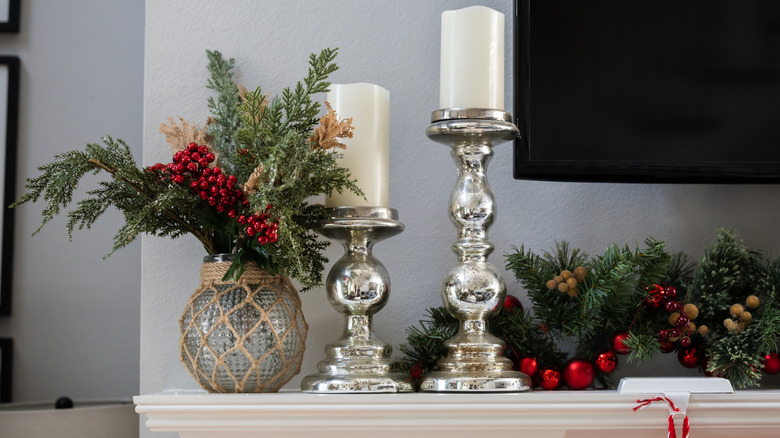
(148, 206)
(268, 148)
(252, 134)
(728, 274)
(425, 344)
(610, 295)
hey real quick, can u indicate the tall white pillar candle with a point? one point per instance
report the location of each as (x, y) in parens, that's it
(472, 58)
(366, 155)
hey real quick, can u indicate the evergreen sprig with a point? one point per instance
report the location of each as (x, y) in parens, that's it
(425, 344)
(147, 206)
(223, 106)
(728, 273)
(296, 110)
(267, 149)
(275, 138)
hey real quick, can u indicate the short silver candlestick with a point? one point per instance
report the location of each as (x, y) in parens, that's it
(473, 291)
(358, 286)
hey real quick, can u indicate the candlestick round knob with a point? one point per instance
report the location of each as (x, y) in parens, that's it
(358, 283)
(473, 292)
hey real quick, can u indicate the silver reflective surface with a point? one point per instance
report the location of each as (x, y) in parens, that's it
(473, 290)
(358, 286)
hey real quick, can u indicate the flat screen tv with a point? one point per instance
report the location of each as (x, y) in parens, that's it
(648, 90)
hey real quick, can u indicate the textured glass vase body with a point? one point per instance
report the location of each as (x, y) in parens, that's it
(244, 336)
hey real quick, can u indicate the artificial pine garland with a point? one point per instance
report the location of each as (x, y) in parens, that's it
(638, 302)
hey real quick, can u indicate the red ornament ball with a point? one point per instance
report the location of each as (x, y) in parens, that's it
(666, 346)
(511, 303)
(654, 301)
(416, 372)
(617, 343)
(578, 373)
(690, 357)
(606, 361)
(655, 298)
(529, 366)
(550, 378)
(771, 363)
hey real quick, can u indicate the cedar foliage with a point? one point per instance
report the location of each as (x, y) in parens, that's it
(247, 134)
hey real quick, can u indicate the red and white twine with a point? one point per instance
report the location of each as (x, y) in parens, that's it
(672, 410)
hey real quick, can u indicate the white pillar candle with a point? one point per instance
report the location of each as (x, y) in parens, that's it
(472, 58)
(367, 152)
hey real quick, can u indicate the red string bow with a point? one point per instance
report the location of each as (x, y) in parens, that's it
(672, 410)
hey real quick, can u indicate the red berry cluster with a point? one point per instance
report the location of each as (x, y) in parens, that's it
(659, 296)
(188, 164)
(191, 165)
(258, 224)
(219, 191)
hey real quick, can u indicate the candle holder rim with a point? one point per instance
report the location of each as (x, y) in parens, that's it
(484, 133)
(471, 113)
(362, 212)
(347, 225)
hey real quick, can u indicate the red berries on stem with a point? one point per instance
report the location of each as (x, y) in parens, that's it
(191, 165)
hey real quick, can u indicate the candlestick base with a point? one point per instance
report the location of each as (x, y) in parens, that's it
(358, 286)
(473, 291)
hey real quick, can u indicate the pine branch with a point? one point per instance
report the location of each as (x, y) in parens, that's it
(135, 193)
(224, 108)
(117, 173)
(297, 106)
(525, 336)
(425, 344)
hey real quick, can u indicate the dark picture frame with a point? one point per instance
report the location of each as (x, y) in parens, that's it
(6, 369)
(691, 167)
(9, 88)
(11, 22)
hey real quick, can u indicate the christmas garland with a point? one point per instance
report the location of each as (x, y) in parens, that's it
(720, 316)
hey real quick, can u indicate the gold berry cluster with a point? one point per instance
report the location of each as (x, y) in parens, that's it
(683, 322)
(740, 317)
(568, 281)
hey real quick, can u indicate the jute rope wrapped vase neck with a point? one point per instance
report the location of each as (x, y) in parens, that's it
(244, 336)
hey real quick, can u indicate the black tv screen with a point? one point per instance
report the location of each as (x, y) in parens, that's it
(648, 91)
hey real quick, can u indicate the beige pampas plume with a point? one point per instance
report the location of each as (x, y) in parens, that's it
(180, 137)
(330, 129)
(253, 182)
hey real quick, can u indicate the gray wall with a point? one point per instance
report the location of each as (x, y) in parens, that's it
(395, 44)
(75, 319)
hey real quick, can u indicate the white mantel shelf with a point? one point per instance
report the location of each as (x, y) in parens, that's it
(584, 414)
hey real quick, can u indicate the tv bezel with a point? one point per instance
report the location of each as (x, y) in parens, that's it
(525, 167)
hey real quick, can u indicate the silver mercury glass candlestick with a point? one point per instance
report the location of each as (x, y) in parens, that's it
(473, 291)
(358, 286)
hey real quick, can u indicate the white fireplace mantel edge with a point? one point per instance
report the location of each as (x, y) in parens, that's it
(196, 414)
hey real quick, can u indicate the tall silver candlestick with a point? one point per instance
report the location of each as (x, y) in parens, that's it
(473, 291)
(358, 286)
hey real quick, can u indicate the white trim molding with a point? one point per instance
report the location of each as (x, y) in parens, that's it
(195, 414)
